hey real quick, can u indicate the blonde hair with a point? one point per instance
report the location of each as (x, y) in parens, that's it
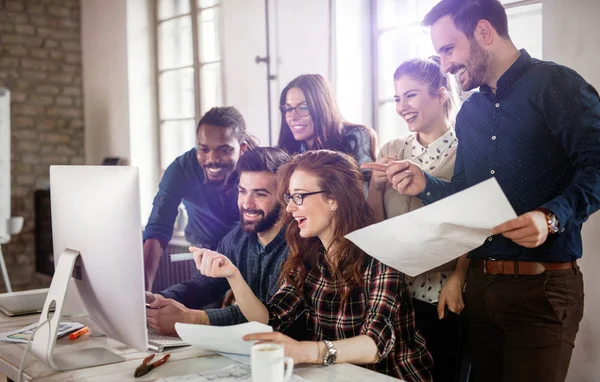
(429, 71)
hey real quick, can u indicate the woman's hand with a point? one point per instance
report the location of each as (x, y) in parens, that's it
(451, 296)
(300, 352)
(213, 264)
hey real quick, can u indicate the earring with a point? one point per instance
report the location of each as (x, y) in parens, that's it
(333, 208)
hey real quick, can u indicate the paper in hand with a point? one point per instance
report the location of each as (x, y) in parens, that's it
(433, 235)
(223, 339)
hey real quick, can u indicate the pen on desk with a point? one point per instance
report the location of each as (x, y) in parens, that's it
(79, 333)
(181, 257)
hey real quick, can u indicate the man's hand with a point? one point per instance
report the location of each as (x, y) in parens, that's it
(405, 176)
(152, 253)
(529, 230)
(451, 296)
(213, 264)
(379, 177)
(163, 313)
(229, 299)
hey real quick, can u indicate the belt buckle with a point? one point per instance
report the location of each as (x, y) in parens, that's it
(485, 263)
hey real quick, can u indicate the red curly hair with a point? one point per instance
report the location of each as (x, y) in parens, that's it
(341, 179)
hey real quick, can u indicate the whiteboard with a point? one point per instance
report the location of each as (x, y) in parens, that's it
(4, 161)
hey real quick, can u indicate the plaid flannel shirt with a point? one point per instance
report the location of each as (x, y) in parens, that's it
(380, 309)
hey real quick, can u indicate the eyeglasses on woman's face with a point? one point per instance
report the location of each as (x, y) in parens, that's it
(301, 110)
(298, 197)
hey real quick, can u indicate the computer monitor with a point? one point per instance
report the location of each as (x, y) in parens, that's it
(97, 234)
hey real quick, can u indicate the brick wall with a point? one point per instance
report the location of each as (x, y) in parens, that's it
(40, 63)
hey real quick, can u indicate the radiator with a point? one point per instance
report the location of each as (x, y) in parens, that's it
(173, 273)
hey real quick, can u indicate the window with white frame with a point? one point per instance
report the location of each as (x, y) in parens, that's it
(189, 71)
(400, 36)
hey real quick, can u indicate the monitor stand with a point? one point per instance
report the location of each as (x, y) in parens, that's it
(45, 338)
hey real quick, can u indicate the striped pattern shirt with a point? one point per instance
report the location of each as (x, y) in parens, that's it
(380, 309)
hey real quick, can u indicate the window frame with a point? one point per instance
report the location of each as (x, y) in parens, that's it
(197, 65)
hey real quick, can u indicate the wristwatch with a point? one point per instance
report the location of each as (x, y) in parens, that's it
(551, 221)
(331, 354)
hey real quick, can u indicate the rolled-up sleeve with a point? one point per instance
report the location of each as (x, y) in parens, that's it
(231, 315)
(285, 307)
(382, 308)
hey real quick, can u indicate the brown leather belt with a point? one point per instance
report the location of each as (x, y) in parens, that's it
(512, 267)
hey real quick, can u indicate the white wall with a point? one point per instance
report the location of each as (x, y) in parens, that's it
(119, 87)
(246, 81)
(299, 44)
(353, 69)
(105, 90)
(143, 110)
(569, 30)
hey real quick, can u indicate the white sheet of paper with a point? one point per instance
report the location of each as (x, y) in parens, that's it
(223, 339)
(433, 235)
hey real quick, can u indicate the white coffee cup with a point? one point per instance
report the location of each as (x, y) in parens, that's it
(268, 362)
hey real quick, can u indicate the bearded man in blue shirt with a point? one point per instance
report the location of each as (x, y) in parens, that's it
(197, 179)
(534, 126)
(256, 246)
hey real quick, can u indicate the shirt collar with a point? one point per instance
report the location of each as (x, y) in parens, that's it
(511, 76)
(437, 146)
(278, 239)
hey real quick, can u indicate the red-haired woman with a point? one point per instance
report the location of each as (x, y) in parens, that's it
(357, 309)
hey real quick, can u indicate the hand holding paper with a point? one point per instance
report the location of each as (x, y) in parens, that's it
(438, 233)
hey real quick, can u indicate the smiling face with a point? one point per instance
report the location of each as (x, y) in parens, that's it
(218, 152)
(302, 128)
(464, 58)
(422, 111)
(315, 217)
(257, 201)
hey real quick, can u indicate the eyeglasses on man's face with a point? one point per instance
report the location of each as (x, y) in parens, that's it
(298, 197)
(301, 110)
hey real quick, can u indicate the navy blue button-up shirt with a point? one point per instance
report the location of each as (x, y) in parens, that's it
(212, 210)
(539, 135)
(259, 266)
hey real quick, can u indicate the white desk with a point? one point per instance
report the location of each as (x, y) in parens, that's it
(183, 361)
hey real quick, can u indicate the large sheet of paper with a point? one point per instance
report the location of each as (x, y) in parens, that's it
(426, 238)
(222, 339)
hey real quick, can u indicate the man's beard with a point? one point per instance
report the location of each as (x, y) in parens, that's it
(263, 224)
(479, 62)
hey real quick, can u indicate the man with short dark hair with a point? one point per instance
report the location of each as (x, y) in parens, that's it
(197, 178)
(256, 246)
(534, 126)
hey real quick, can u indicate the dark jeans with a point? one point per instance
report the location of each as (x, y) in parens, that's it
(443, 339)
(522, 328)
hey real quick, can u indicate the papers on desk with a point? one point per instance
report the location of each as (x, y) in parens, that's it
(222, 339)
(22, 335)
(231, 373)
(426, 238)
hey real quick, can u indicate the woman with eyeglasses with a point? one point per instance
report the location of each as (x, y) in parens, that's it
(357, 310)
(311, 120)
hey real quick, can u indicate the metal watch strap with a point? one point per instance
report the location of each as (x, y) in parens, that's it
(330, 355)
